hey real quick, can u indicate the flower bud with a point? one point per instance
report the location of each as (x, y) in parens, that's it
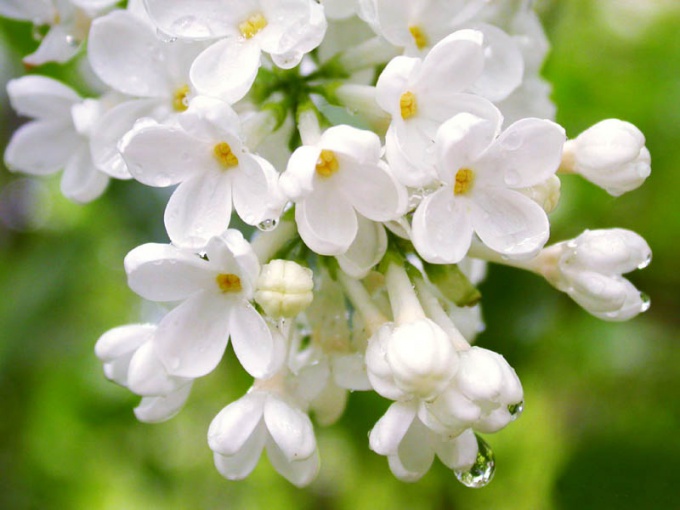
(611, 154)
(284, 288)
(608, 251)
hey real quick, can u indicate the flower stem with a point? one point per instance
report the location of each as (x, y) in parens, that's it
(362, 302)
(403, 299)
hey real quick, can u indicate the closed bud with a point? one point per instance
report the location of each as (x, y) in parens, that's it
(284, 288)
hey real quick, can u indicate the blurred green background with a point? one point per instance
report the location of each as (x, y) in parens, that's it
(602, 417)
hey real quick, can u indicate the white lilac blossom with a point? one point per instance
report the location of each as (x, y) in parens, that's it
(481, 172)
(379, 167)
(205, 154)
(58, 136)
(611, 154)
(226, 69)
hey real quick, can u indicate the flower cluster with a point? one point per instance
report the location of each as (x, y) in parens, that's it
(379, 153)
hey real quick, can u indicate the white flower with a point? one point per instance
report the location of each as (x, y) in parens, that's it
(206, 156)
(286, 30)
(130, 359)
(610, 154)
(68, 22)
(367, 249)
(481, 174)
(410, 446)
(215, 292)
(589, 269)
(57, 138)
(421, 95)
(126, 55)
(485, 395)
(336, 179)
(264, 419)
(284, 288)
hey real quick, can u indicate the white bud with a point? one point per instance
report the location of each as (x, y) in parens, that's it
(610, 154)
(608, 251)
(117, 346)
(422, 358)
(284, 288)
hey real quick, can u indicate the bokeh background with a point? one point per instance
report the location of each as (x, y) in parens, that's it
(600, 429)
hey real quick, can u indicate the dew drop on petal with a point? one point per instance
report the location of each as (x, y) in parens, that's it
(72, 41)
(268, 225)
(38, 31)
(646, 302)
(481, 472)
(165, 37)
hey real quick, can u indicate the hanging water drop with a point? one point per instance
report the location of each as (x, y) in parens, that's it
(646, 262)
(165, 37)
(646, 302)
(516, 410)
(481, 472)
(268, 225)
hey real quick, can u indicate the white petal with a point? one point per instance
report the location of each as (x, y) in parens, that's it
(252, 189)
(191, 338)
(199, 19)
(236, 423)
(372, 191)
(349, 371)
(161, 272)
(41, 97)
(199, 209)
(459, 453)
(57, 46)
(409, 170)
(361, 145)
(38, 11)
(253, 341)
(442, 227)
(82, 182)
(503, 65)
(393, 82)
(158, 409)
(241, 464)
(123, 340)
(415, 451)
(226, 69)
(391, 428)
(329, 405)
(508, 222)
(41, 147)
(126, 55)
(299, 472)
(159, 155)
(147, 375)
(298, 180)
(231, 253)
(326, 221)
(367, 249)
(452, 65)
(527, 153)
(290, 428)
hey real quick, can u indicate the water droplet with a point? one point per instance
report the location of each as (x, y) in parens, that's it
(165, 37)
(481, 472)
(645, 262)
(72, 41)
(268, 225)
(516, 410)
(39, 31)
(646, 302)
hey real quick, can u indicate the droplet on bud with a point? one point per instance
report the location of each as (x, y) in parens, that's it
(268, 225)
(481, 472)
(646, 302)
(645, 262)
(516, 410)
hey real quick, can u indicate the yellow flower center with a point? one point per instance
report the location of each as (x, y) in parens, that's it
(179, 99)
(408, 105)
(224, 155)
(228, 282)
(465, 178)
(253, 25)
(419, 36)
(327, 164)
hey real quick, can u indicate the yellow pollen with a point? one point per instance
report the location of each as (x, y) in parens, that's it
(327, 164)
(228, 282)
(419, 36)
(408, 105)
(465, 178)
(179, 99)
(253, 25)
(224, 155)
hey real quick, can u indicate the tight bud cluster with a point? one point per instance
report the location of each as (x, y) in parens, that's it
(374, 178)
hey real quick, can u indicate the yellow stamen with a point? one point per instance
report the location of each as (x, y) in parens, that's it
(253, 25)
(327, 164)
(465, 178)
(179, 99)
(408, 105)
(419, 36)
(228, 282)
(224, 155)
